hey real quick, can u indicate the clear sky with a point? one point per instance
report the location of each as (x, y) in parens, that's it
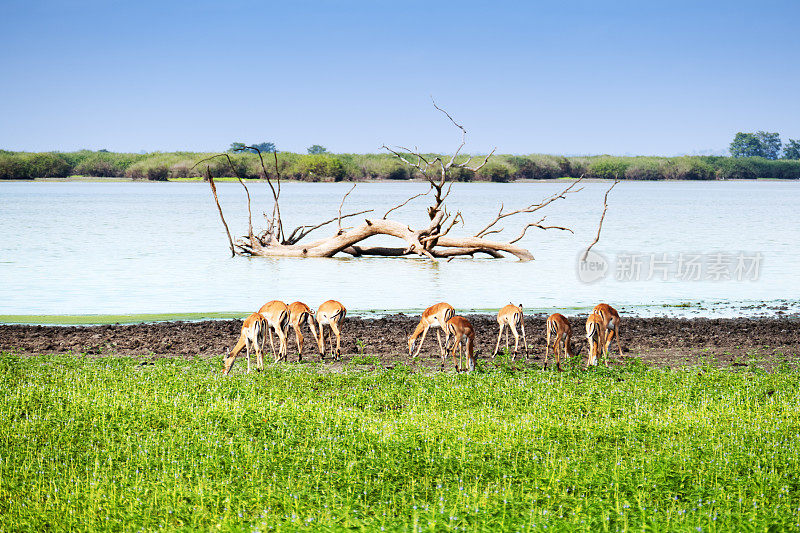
(563, 77)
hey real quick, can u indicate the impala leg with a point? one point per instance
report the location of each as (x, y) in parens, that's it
(456, 341)
(311, 327)
(618, 346)
(547, 347)
(559, 352)
(298, 337)
(421, 341)
(513, 329)
(247, 347)
(335, 328)
(525, 342)
(283, 335)
(446, 349)
(259, 354)
(271, 342)
(589, 355)
(499, 338)
(321, 342)
(439, 339)
(276, 356)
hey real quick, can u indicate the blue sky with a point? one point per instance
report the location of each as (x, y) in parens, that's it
(563, 77)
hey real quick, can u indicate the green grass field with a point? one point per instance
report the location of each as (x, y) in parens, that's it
(113, 444)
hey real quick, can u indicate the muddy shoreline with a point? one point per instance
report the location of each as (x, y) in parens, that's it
(664, 342)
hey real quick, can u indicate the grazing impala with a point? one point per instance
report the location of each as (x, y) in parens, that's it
(299, 313)
(595, 334)
(560, 331)
(511, 316)
(461, 331)
(332, 314)
(611, 324)
(253, 336)
(436, 316)
(276, 314)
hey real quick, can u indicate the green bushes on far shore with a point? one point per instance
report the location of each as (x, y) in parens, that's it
(162, 166)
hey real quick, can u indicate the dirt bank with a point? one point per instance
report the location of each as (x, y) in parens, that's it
(766, 343)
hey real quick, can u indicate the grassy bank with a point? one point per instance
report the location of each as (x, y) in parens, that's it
(159, 166)
(110, 443)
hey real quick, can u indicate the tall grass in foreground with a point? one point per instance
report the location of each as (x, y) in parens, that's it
(109, 444)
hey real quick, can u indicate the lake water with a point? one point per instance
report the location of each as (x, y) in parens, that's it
(126, 248)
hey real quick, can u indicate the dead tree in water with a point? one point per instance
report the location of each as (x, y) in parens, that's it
(433, 241)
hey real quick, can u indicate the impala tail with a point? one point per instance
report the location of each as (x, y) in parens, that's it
(594, 336)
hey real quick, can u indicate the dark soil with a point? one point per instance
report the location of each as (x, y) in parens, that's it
(764, 342)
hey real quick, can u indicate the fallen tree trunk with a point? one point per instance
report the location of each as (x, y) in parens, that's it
(346, 240)
(433, 241)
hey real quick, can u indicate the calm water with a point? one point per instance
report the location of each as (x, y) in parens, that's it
(119, 248)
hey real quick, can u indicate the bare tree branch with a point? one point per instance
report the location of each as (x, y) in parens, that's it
(216, 199)
(600, 225)
(276, 218)
(276, 210)
(446, 231)
(537, 225)
(475, 169)
(247, 192)
(341, 204)
(530, 209)
(305, 230)
(417, 165)
(404, 203)
(457, 125)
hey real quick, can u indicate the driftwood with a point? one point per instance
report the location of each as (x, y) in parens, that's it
(433, 241)
(600, 224)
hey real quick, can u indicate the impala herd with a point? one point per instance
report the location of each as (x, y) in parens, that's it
(602, 327)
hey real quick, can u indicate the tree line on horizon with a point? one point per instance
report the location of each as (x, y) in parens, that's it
(753, 155)
(764, 144)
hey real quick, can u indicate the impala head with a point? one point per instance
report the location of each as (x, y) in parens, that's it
(571, 350)
(411, 343)
(225, 367)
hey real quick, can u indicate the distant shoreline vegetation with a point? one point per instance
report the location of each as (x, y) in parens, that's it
(162, 166)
